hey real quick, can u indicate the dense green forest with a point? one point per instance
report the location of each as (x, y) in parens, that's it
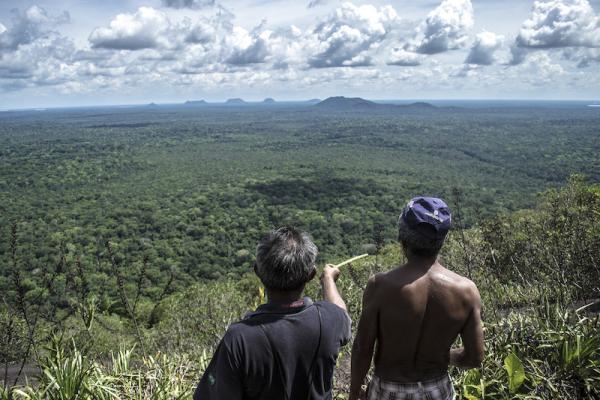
(193, 188)
(115, 223)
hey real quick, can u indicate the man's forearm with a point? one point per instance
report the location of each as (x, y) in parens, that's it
(330, 292)
(360, 366)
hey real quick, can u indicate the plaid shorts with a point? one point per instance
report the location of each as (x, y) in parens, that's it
(435, 389)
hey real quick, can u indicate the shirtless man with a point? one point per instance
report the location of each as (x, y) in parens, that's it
(415, 313)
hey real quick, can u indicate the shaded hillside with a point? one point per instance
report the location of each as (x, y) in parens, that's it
(418, 104)
(235, 102)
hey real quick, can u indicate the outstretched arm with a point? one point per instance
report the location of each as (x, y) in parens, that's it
(330, 292)
(471, 354)
(364, 342)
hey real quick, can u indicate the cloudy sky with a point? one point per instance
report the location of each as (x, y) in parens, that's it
(86, 52)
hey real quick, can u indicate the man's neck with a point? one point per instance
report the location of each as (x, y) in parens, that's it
(284, 297)
(422, 263)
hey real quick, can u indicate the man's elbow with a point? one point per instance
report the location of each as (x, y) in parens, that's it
(474, 361)
(465, 359)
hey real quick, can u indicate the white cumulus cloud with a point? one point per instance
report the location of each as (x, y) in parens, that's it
(539, 69)
(243, 47)
(344, 39)
(560, 23)
(33, 53)
(445, 28)
(27, 26)
(557, 24)
(584, 57)
(198, 31)
(45, 61)
(148, 47)
(403, 58)
(193, 44)
(482, 51)
(146, 28)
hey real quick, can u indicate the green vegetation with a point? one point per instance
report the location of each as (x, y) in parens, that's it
(126, 236)
(538, 343)
(193, 188)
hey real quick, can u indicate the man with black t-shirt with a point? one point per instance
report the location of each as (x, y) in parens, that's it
(287, 348)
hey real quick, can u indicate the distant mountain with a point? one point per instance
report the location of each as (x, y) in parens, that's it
(418, 104)
(313, 101)
(152, 105)
(269, 100)
(353, 103)
(195, 103)
(344, 103)
(235, 101)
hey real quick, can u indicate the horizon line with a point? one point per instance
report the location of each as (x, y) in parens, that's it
(262, 101)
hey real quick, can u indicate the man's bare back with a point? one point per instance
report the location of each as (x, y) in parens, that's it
(414, 314)
(419, 313)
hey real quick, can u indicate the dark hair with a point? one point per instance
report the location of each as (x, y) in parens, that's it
(285, 259)
(422, 252)
(417, 242)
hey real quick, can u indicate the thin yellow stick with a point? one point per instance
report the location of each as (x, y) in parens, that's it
(352, 259)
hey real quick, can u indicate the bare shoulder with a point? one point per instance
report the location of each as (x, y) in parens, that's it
(375, 280)
(470, 290)
(374, 284)
(462, 284)
(378, 277)
(382, 279)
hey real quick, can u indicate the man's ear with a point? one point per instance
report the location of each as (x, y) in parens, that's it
(313, 273)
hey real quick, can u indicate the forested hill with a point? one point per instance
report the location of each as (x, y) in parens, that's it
(340, 103)
(235, 102)
(195, 103)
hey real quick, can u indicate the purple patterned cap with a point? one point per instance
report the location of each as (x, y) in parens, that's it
(429, 216)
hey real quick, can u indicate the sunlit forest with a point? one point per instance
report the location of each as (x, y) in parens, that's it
(127, 235)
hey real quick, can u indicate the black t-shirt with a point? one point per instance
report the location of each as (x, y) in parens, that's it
(244, 365)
